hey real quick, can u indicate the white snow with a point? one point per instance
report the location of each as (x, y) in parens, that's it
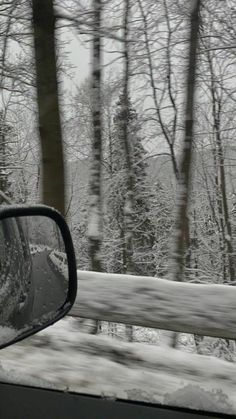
(66, 358)
(36, 248)
(4, 290)
(7, 333)
(206, 309)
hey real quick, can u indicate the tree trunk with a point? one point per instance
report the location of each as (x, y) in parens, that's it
(48, 104)
(95, 216)
(182, 223)
(95, 219)
(182, 239)
(129, 198)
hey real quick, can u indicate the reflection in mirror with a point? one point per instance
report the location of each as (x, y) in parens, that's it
(34, 277)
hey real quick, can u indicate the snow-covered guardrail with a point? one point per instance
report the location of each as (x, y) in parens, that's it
(209, 310)
(61, 256)
(38, 248)
(59, 260)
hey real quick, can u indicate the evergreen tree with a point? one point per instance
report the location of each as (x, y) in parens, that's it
(142, 228)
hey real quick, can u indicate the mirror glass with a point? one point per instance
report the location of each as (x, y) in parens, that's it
(34, 277)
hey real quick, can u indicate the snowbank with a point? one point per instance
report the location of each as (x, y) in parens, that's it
(65, 358)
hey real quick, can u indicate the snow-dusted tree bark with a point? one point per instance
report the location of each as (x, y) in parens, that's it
(48, 104)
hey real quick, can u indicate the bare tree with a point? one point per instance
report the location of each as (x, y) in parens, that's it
(157, 66)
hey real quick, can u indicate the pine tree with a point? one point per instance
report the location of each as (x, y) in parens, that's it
(142, 228)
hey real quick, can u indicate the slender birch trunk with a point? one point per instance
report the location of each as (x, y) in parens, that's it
(95, 215)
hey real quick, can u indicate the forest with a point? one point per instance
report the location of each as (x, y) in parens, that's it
(148, 134)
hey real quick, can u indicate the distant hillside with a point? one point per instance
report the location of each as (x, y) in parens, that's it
(159, 169)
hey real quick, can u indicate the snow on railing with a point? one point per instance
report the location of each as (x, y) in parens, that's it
(59, 260)
(38, 248)
(208, 310)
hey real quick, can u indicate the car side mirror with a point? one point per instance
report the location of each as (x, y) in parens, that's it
(38, 280)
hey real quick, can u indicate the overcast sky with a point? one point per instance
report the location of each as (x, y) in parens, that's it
(79, 54)
(80, 57)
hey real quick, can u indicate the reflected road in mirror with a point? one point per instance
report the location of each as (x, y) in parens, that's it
(34, 278)
(50, 284)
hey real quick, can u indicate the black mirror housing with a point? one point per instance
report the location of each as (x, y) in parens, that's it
(38, 276)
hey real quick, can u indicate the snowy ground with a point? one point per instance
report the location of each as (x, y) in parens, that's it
(64, 357)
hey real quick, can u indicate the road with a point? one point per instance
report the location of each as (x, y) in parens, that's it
(49, 285)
